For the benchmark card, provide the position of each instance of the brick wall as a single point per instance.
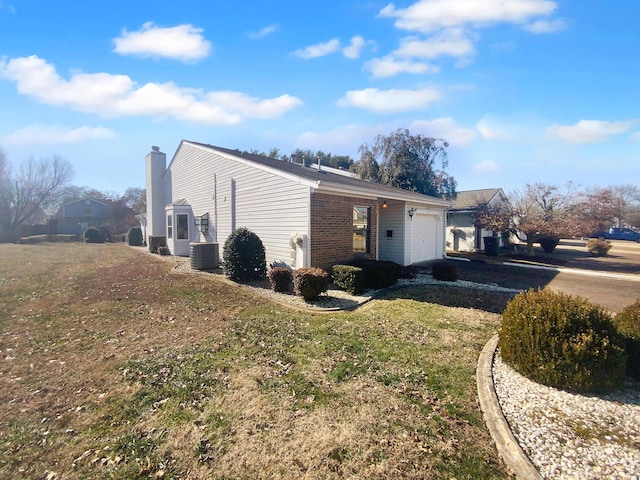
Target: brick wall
(332, 228)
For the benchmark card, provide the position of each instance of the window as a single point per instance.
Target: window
(361, 234)
(182, 224)
(202, 223)
(169, 226)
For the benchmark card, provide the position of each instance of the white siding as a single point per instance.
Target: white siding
(392, 218)
(271, 206)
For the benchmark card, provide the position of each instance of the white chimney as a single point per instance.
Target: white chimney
(156, 165)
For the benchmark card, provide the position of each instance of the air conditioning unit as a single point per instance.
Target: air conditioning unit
(204, 256)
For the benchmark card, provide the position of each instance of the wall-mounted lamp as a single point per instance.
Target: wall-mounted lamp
(411, 211)
(384, 204)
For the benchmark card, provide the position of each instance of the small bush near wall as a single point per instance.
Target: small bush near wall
(563, 342)
(93, 235)
(378, 274)
(281, 279)
(628, 324)
(157, 241)
(349, 278)
(598, 248)
(134, 237)
(444, 271)
(309, 283)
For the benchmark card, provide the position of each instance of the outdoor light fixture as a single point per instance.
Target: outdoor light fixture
(411, 211)
(384, 204)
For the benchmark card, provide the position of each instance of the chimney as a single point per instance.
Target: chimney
(156, 165)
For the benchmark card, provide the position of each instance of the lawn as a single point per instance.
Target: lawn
(115, 366)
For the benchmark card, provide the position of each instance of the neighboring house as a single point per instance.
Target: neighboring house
(463, 235)
(304, 216)
(77, 215)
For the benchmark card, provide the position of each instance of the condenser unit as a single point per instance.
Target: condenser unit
(204, 256)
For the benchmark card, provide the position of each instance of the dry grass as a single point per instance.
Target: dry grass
(113, 366)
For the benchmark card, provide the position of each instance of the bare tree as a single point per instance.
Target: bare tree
(539, 210)
(30, 190)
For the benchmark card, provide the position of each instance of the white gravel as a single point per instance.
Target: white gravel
(569, 436)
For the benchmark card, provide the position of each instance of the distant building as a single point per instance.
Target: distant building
(463, 235)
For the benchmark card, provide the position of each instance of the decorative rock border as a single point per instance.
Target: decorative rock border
(507, 445)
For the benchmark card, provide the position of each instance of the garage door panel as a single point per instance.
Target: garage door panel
(423, 238)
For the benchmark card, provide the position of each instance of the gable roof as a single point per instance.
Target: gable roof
(325, 180)
(470, 199)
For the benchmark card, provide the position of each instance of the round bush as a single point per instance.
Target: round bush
(598, 248)
(562, 341)
(549, 243)
(106, 234)
(93, 235)
(628, 324)
(243, 256)
(134, 237)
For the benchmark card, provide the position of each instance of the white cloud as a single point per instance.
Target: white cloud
(353, 50)
(486, 166)
(318, 50)
(56, 135)
(432, 15)
(445, 128)
(390, 66)
(264, 32)
(590, 131)
(389, 101)
(450, 42)
(546, 26)
(118, 95)
(183, 42)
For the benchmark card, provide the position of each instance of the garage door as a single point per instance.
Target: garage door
(424, 238)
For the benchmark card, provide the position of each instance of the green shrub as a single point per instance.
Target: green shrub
(243, 256)
(309, 283)
(93, 235)
(562, 341)
(349, 278)
(134, 237)
(549, 243)
(156, 241)
(598, 248)
(628, 324)
(444, 271)
(280, 278)
(378, 273)
(106, 234)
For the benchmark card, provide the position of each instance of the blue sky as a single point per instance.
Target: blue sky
(524, 90)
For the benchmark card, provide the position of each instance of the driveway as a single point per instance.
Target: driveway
(612, 281)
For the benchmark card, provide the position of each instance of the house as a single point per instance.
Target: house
(76, 216)
(463, 235)
(304, 216)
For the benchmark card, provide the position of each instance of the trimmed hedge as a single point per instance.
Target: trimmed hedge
(93, 235)
(549, 243)
(563, 342)
(349, 278)
(378, 273)
(309, 283)
(628, 324)
(134, 237)
(444, 271)
(281, 279)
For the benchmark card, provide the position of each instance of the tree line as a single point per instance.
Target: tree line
(412, 162)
